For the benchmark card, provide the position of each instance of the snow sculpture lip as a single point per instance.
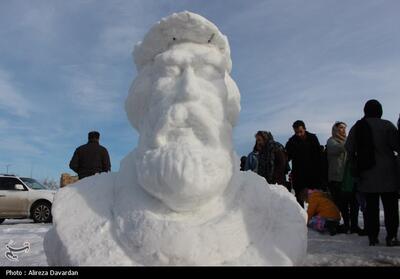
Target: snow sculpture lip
(187, 27)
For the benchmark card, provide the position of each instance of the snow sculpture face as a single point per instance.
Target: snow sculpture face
(184, 105)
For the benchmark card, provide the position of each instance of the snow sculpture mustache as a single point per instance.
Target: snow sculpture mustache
(185, 153)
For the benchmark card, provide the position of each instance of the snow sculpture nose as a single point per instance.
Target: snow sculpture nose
(189, 89)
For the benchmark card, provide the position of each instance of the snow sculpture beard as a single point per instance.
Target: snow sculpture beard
(184, 106)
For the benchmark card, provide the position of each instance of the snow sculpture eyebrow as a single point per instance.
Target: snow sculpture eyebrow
(172, 60)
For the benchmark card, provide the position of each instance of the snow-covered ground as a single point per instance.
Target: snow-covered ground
(20, 231)
(349, 250)
(323, 250)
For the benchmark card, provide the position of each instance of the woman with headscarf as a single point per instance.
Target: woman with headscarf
(371, 144)
(341, 184)
(272, 159)
(268, 159)
(336, 154)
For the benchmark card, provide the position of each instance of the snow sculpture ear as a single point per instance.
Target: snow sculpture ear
(233, 99)
(136, 105)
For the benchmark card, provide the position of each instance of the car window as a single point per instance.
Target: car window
(8, 183)
(33, 184)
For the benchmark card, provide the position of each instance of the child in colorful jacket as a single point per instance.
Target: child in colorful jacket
(323, 215)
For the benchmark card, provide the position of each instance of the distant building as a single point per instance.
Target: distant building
(67, 179)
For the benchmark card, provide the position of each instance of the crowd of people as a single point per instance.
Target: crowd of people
(350, 173)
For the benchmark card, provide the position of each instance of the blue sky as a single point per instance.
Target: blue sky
(66, 66)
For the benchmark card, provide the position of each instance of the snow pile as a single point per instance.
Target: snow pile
(179, 198)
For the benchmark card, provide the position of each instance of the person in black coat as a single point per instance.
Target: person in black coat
(398, 127)
(243, 163)
(90, 158)
(304, 150)
(371, 145)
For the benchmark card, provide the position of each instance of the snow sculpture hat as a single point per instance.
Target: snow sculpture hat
(179, 28)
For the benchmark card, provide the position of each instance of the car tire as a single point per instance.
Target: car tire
(1, 220)
(41, 212)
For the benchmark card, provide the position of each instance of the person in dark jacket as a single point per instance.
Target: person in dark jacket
(398, 127)
(371, 144)
(271, 158)
(90, 158)
(304, 151)
(277, 161)
(398, 154)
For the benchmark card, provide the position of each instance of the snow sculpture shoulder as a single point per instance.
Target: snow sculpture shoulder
(179, 198)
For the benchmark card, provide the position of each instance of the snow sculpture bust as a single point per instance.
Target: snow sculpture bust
(179, 198)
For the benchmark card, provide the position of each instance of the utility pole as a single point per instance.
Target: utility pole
(7, 166)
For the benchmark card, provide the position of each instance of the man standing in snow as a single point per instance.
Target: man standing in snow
(90, 158)
(371, 144)
(398, 128)
(304, 151)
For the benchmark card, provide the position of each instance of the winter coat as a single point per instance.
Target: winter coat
(320, 204)
(252, 162)
(398, 129)
(280, 168)
(272, 163)
(382, 176)
(89, 159)
(306, 157)
(364, 143)
(336, 153)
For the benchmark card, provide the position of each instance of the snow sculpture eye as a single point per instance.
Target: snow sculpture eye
(171, 71)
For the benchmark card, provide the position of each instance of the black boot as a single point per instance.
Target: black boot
(390, 242)
(342, 229)
(373, 241)
(362, 232)
(358, 231)
(331, 227)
